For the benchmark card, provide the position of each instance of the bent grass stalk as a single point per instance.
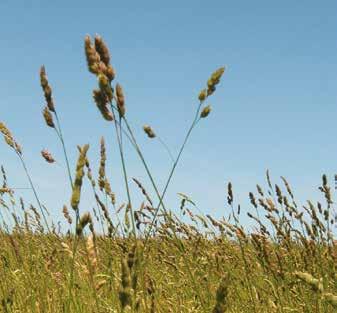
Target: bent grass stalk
(148, 233)
(161, 197)
(211, 84)
(34, 191)
(9, 139)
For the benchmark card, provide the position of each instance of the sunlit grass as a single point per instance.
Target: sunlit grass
(143, 257)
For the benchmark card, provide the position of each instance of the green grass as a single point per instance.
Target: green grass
(117, 258)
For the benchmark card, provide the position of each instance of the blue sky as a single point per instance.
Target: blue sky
(274, 109)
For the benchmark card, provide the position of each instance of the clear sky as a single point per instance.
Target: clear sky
(274, 109)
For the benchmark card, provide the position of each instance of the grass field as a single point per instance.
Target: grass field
(142, 257)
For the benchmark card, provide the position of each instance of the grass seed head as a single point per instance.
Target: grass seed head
(202, 95)
(120, 100)
(101, 170)
(315, 283)
(92, 253)
(110, 72)
(75, 198)
(46, 89)
(9, 139)
(214, 80)
(205, 112)
(48, 117)
(66, 214)
(149, 131)
(102, 101)
(83, 222)
(47, 156)
(104, 86)
(102, 50)
(125, 291)
(92, 56)
(229, 193)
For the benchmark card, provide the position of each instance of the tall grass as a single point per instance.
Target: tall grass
(131, 257)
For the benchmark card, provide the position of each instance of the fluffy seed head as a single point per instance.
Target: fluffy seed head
(315, 283)
(104, 86)
(9, 139)
(91, 250)
(83, 222)
(92, 56)
(7, 135)
(214, 80)
(102, 50)
(125, 292)
(47, 156)
(149, 132)
(46, 89)
(120, 100)
(110, 72)
(48, 117)
(66, 214)
(102, 101)
(205, 112)
(202, 95)
(75, 198)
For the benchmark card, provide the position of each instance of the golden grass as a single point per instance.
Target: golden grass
(127, 257)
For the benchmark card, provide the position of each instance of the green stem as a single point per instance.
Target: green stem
(124, 173)
(195, 121)
(166, 148)
(34, 190)
(59, 133)
(71, 280)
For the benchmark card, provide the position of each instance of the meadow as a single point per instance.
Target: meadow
(144, 257)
